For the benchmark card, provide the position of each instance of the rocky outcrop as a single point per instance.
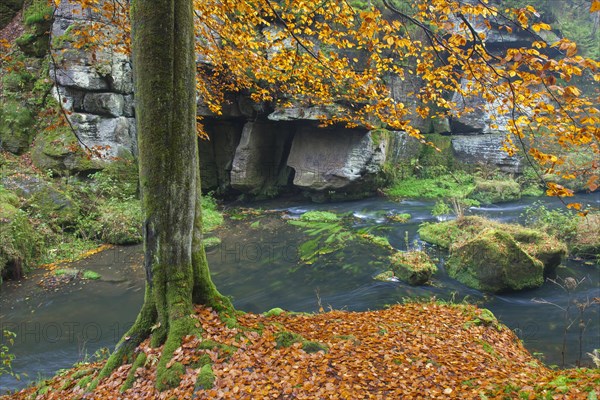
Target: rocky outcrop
(333, 159)
(252, 148)
(49, 202)
(486, 149)
(217, 153)
(96, 88)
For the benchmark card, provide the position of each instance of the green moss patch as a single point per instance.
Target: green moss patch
(445, 186)
(211, 241)
(91, 275)
(400, 218)
(380, 241)
(495, 191)
(16, 126)
(385, 276)
(274, 312)
(206, 378)
(310, 346)
(319, 216)
(286, 339)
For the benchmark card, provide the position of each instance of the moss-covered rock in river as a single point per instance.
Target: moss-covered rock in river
(493, 261)
(413, 267)
(537, 244)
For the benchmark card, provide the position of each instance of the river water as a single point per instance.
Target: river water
(258, 265)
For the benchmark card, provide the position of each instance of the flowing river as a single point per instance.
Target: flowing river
(257, 264)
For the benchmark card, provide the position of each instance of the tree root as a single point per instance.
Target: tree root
(140, 360)
(129, 342)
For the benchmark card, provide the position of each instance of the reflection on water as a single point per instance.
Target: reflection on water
(258, 265)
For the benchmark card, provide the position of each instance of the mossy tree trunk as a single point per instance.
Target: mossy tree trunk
(177, 274)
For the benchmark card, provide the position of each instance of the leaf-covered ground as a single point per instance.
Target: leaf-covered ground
(412, 351)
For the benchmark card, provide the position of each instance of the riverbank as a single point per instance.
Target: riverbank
(260, 259)
(431, 350)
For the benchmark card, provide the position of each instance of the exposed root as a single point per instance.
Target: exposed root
(124, 350)
(168, 375)
(140, 360)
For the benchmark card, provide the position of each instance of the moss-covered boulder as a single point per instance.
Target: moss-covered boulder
(35, 42)
(535, 243)
(60, 152)
(18, 240)
(546, 248)
(16, 126)
(413, 267)
(493, 261)
(44, 200)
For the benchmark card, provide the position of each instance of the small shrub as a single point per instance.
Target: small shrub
(441, 208)
(121, 222)
(561, 223)
(211, 217)
(6, 357)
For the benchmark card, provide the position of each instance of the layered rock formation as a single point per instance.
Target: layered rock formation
(255, 149)
(96, 88)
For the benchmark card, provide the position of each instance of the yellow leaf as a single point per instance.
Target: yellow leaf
(595, 6)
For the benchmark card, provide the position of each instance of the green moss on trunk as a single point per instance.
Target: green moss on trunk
(174, 258)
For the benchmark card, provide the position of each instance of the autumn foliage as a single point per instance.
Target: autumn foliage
(417, 350)
(296, 52)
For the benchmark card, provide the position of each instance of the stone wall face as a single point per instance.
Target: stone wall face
(96, 88)
(486, 149)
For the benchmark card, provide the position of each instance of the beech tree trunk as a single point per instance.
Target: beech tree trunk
(177, 274)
